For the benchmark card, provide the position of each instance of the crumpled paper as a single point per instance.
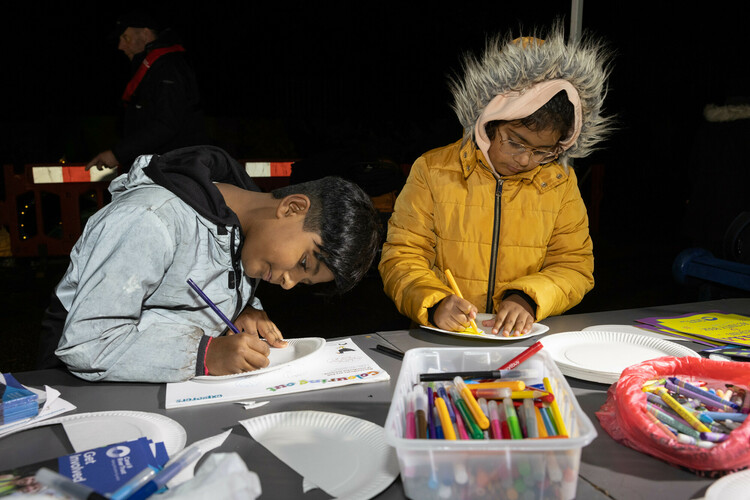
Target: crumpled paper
(221, 475)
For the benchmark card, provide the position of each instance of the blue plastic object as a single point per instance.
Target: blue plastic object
(700, 264)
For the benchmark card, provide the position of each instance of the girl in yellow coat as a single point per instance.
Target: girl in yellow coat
(501, 208)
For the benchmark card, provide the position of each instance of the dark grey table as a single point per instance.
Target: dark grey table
(608, 469)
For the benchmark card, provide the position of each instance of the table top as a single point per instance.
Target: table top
(607, 470)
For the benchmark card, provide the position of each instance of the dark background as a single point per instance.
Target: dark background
(367, 81)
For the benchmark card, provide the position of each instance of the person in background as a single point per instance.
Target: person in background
(501, 208)
(162, 103)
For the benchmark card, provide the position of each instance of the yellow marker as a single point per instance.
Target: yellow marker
(476, 411)
(555, 409)
(541, 428)
(681, 411)
(445, 419)
(528, 394)
(513, 385)
(454, 286)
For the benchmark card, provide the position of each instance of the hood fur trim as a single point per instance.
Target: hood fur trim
(509, 66)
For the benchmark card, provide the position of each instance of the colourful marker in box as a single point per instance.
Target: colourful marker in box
(420, 411)
(471, 426)
(510, 415)
(532, 430)
(445, 419)
(486, 410)
(431, 412)
(476, 411)
(449, 404)
(556, 415)
(411, 423)
(496, 432)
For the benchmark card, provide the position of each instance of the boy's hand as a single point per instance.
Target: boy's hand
(230, 354)
(514, 317)
(454, 314)
(255, 321)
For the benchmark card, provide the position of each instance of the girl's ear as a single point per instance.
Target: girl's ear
(293, 204)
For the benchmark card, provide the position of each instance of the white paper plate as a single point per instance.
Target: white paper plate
(734, 485)
(631, 329)
(600, 356)
(296, 350)
(93, 430)
(346, 457)
(536, 329)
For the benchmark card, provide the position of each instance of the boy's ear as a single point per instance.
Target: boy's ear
(293, 204)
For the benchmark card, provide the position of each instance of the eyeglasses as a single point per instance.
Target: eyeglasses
(538, 156)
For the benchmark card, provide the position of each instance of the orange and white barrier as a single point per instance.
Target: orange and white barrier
(57, 174)
(268, 168)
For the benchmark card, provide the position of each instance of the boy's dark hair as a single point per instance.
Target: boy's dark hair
(556, 114)
(344, 217)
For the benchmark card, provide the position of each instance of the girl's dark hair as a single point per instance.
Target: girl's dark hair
(557, 114)
(348, 225)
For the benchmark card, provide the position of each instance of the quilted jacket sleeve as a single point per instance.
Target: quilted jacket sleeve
(409, 253)
(567, 272)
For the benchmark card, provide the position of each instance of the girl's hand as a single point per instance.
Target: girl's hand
(255, 322)
(514, 318)
(454, 314)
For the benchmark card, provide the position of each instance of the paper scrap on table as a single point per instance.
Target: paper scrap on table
(53, 405)
(306, 457)
(338, 363)
(308, 485)
(339, 454)
(249, 405)
(204, 445)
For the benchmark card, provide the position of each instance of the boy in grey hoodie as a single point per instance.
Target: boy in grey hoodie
(123, 310)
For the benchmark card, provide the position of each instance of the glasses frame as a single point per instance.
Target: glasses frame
(549, 156)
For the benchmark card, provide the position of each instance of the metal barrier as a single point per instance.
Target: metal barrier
(700, 265)
(46, 206)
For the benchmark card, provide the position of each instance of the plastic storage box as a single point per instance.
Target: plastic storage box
(495, 468)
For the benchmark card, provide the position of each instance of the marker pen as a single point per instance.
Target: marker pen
(420, 411)
(476, 411)
(135, 483)
(510, 415)
(66, 486)
(169, 471)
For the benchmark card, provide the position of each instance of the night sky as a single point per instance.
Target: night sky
(290, 80)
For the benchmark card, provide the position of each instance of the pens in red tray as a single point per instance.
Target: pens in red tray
(533, 349)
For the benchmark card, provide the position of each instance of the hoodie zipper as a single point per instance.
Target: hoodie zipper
(495, 243)
(234, 274)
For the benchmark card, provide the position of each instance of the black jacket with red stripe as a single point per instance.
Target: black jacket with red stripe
(165, 111)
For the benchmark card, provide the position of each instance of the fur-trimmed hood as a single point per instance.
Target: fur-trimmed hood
(509, 66)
